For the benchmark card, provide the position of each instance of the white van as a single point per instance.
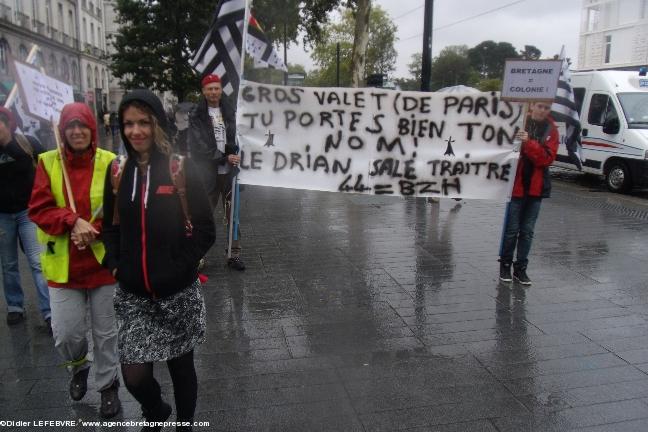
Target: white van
(613, 107)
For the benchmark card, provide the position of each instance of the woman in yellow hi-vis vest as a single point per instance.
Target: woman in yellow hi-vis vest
(73, 252)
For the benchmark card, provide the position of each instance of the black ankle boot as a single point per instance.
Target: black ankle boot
(520, 275)
(159, 413)
(505, 272)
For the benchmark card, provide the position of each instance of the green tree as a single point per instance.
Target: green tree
(415, 67)
(277, 16)
(413, 82)
(155, 41)
(488, 58)
(452, 67)
(493, 84)
(530, 52)
(268, 75)
(314, 17)
(380, 53)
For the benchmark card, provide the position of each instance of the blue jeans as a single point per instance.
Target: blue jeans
(521, 217)
(16, 227)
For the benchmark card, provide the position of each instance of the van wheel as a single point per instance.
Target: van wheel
(618, 178)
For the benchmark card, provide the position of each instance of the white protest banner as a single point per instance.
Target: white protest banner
(42, 95)
(376, 141)
(531, 80)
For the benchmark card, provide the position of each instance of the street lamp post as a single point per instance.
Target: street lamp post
(337, 64)
(426, 66)
(285, 41)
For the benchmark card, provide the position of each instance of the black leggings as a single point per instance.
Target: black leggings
(141, 383)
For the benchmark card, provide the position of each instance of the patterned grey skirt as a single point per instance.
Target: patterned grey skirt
(164, 329)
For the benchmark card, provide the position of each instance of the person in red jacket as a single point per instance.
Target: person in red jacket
(532, 183)
(73, 252)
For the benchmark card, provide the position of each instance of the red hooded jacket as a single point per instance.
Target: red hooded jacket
(84, 271)
(532, 175)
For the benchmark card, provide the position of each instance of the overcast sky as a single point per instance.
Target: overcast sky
(547, 24)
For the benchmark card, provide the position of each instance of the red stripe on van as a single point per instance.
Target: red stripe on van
(596, 144)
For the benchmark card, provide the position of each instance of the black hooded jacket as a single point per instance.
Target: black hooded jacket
(149, 247)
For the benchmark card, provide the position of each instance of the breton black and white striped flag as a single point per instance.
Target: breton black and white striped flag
(220, 52)
(564, 110)
(261, 49)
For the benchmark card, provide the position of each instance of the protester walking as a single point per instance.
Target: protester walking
(69, 216)
(532, 184)
(106, 123)
(17, 168)
(158, 226)
(212, 144)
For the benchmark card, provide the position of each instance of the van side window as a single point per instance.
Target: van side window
(579, 95)
(601, 108)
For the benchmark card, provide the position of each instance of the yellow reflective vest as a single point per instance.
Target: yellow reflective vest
(55, 258)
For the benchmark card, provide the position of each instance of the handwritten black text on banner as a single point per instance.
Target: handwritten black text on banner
(43, 95)
(376, 141)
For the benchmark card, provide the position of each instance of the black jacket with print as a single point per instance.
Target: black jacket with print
(202, 142)
(149, 247)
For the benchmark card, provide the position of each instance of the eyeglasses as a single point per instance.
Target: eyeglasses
(76, 124)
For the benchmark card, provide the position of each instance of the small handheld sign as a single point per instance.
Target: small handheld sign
(44, 96)
(530, 80)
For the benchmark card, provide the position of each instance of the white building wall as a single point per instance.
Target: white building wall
(110, 27)
(614, 34)
(27, 22)
(67, 49)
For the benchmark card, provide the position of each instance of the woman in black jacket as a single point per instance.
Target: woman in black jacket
(154, 240)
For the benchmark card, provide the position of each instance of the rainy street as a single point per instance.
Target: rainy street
(365, 313)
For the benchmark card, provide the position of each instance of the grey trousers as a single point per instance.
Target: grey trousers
(69, 309)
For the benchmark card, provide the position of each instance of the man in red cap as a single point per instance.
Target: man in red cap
(212, 145)
(17, 155)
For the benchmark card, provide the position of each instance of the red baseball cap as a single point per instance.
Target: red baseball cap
(210, 79)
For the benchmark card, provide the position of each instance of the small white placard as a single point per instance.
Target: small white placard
(44, 96)
(531, 80)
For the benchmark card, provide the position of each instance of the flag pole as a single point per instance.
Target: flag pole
(66, 177)
(234, 207)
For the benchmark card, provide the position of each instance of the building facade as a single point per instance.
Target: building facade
(613, 34)
(92, 52)
(72, 44)
(111, 28)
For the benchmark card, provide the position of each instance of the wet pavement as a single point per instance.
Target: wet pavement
(361, 313)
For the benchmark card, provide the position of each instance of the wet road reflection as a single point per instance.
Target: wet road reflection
(361, 313)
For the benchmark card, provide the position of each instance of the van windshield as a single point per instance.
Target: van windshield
(635, 108)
